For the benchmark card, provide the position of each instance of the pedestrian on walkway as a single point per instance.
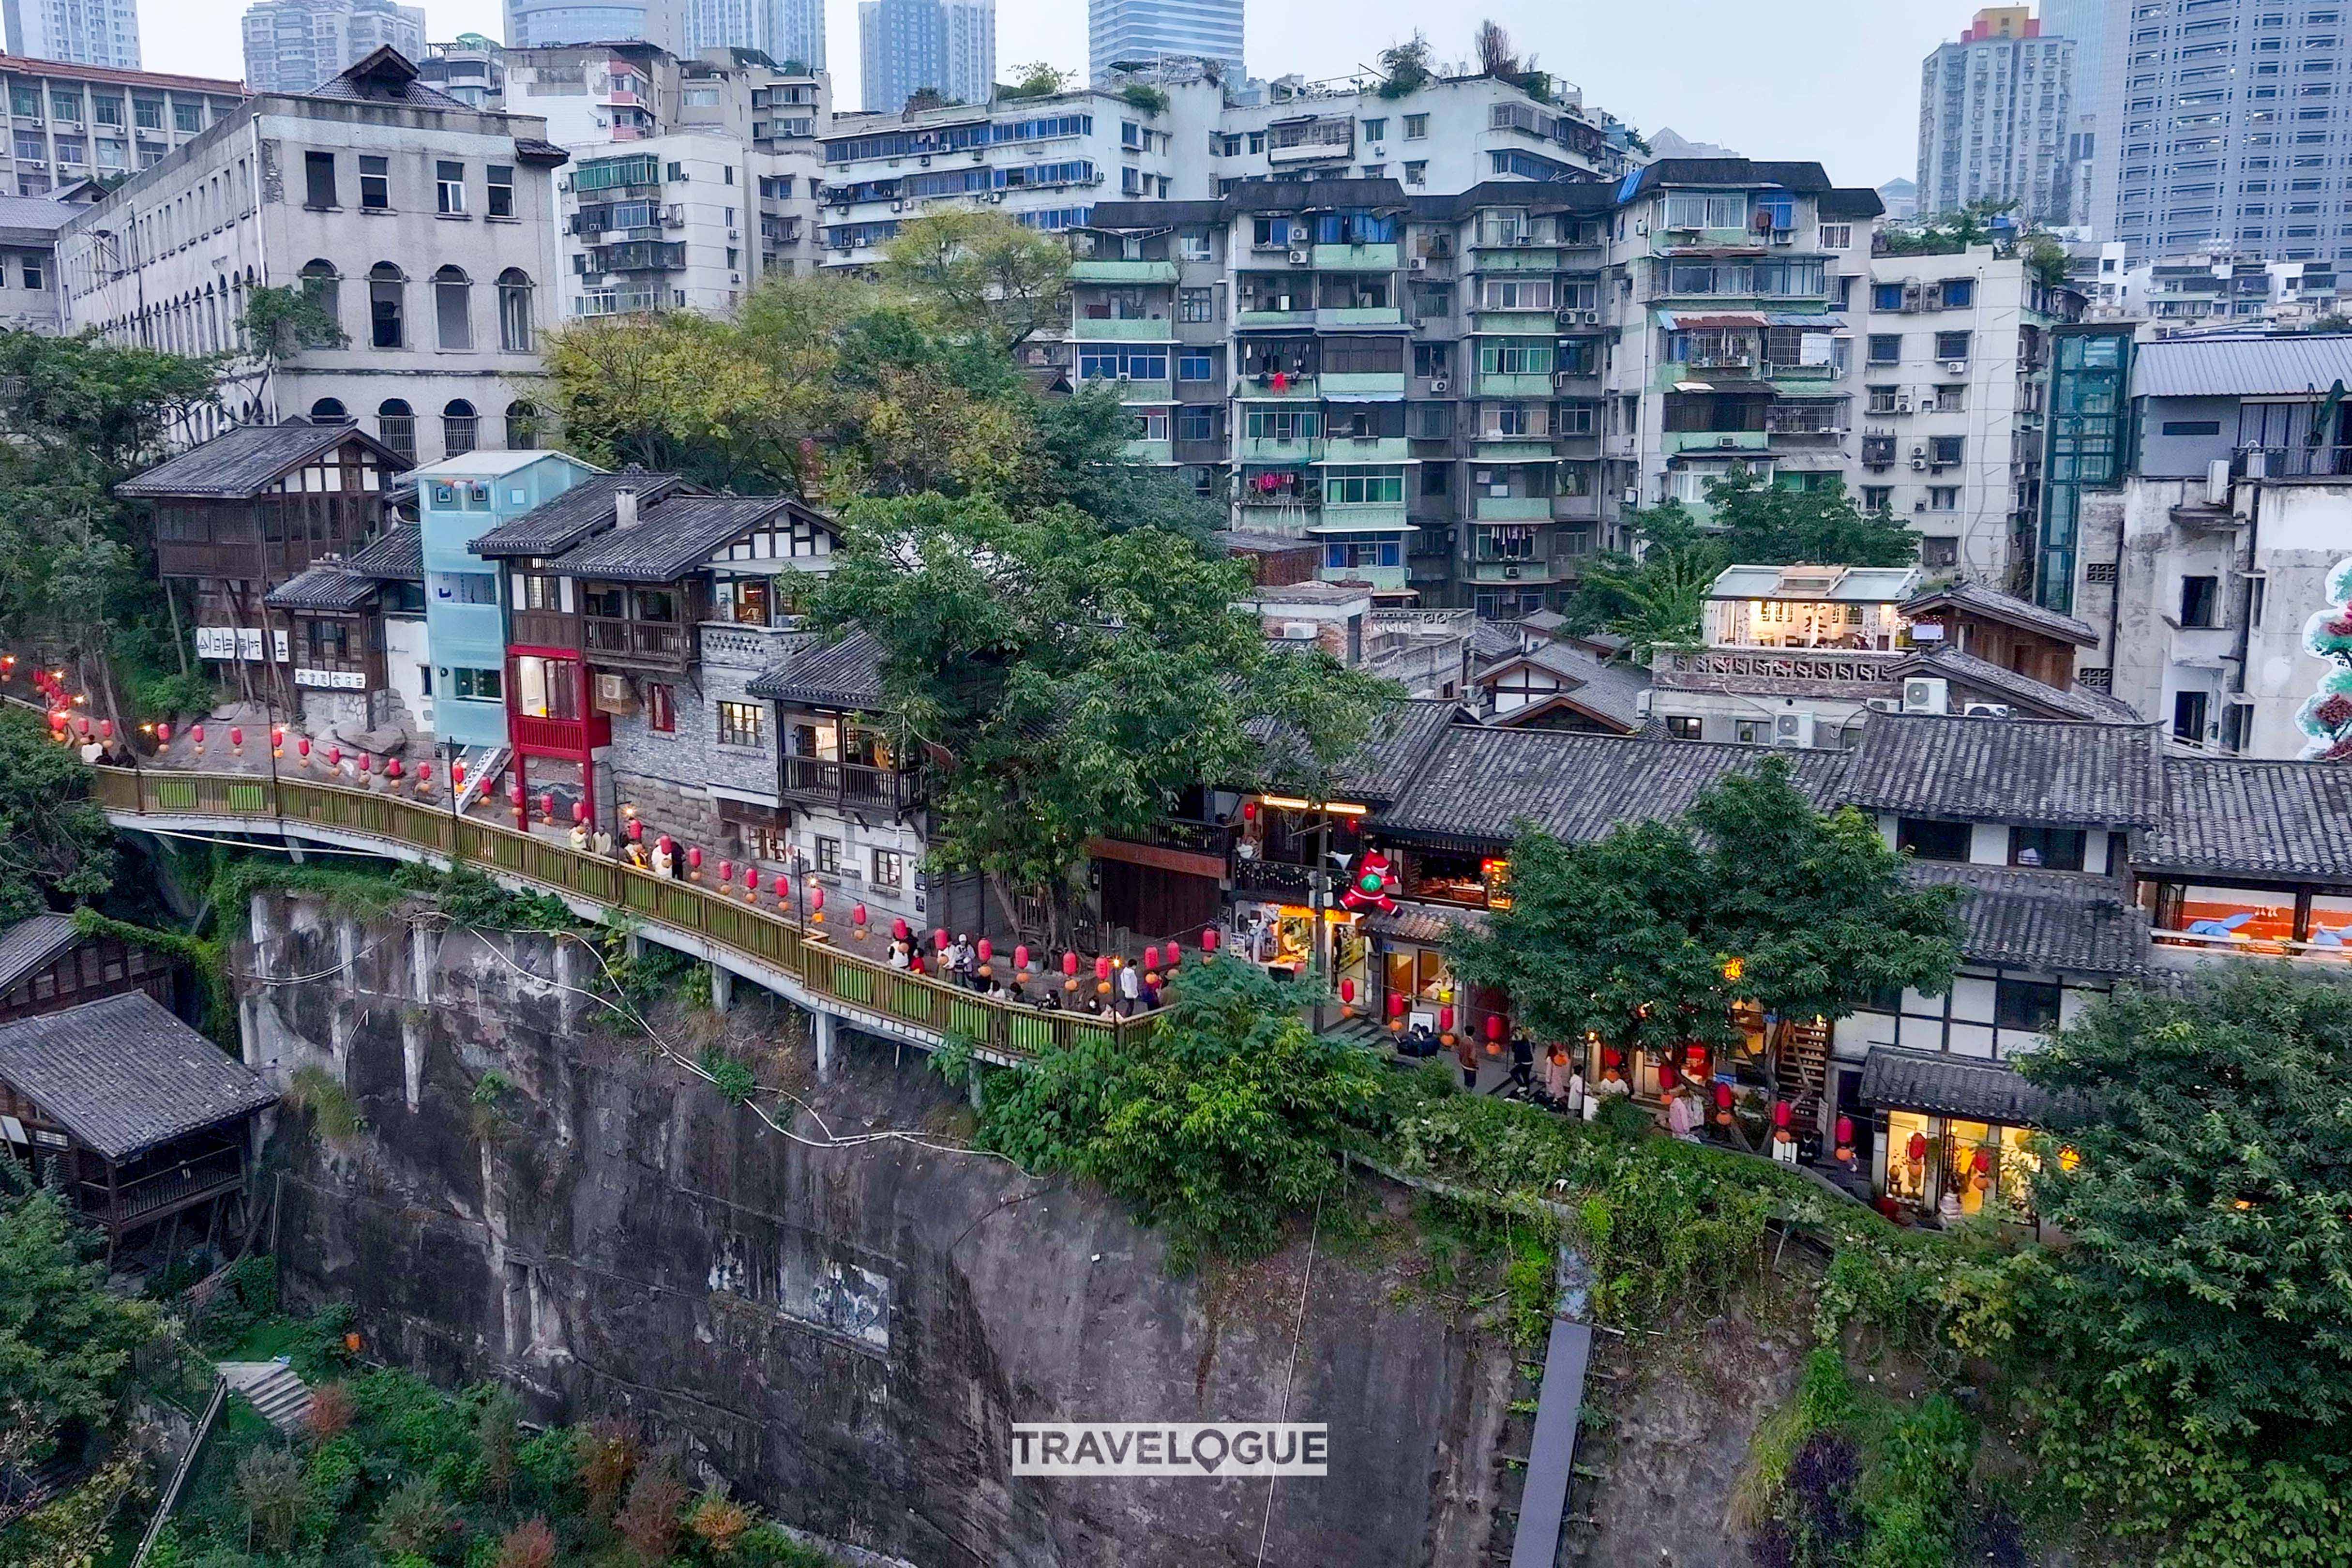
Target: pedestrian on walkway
(1523, 1060)
(1130, 991)
(1466, 1054)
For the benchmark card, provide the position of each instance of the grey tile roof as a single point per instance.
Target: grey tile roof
(38, 214)
(2006, 770)
(1493, 642)
(384, 76)
(1400, 742)
(397, 554)
(2306, 363)
(324, 585)
(1611, 692)
(1795, 176)
(1947, 1085)
(2079, 703)
(583, 511)
(239, 463)
(2289, 822)
(1848, 202)
(1481, 781)
(2043, 920)
(32, 943)
(846, 674)
(670, 539)
(122, 1074)
(1428, 924)
(1991, 602)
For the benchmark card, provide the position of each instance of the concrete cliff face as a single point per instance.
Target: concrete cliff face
(844, 1334)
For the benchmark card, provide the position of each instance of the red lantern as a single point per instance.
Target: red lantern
(1918, 1149)
(666, 845)
(1175, 955)
(391, 769)
(1982, 1162)
(900, 931)
(857, 926)
(985, 951)
(940, 938)
(636, 831)
(1102, 968)
(302, 748)
(1021, 958)
(82, 723)
(367, 764)
(1152, 958)
(1209, 941)
(1781, 1113)
(1666, 1075)
(1611, 1057)
(1249, 811)
(1845, 1131)
(278, 737)
(457, 771)
(424, 774)
(1070, 964)
(547, 808)
(1494, 1025)
(816, 912)
(237, 737)
(694, 858)
(1396, 1004)
(197, 734)
(106, 728)
(726, 873)
(1445, 1020)
(163, 735)
(1348, 995)
(514, 796)
(751, 881)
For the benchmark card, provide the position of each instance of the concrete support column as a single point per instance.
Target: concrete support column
(722, 988)
(825, 1029)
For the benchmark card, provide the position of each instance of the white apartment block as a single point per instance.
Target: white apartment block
(74, 32)
(69, 123)
(1954, 375)
(292, 46)
(426, 228)
(789, 32)
(1996, 118)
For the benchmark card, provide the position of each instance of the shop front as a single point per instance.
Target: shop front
(1953, 1135)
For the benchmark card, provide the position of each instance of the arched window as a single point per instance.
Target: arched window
(387, 307)
(324, 287)
(461, 428)
(329, 411)
(453, 308)
(395, 426)
(514, 310)
(522, 427)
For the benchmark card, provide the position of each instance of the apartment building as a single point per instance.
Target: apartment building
(2083, 24)
(905, 46)
(292, 46)
(2223, 123)
(469, 68)
(70, 122)
(789, 32)
(29, 263)
(1954, 375)
(1125, 31)
(426, 229)
(1996, 117)
(74, 32)
(537, 24)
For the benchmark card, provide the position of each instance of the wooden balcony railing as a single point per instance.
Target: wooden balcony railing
(851, 784)
(853, 982)
(659, 643)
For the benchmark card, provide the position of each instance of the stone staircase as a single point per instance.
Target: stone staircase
(271, 1387)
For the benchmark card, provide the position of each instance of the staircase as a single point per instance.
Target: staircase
(271, 1387)
(1804, 1066)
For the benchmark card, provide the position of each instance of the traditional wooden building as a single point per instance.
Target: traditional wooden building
(46, 964)
(138, 1117)
(2002, 630)
(248, 513)
(1556, 685)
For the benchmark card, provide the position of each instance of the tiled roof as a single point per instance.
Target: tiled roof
(238, 464)
(122, 1074)
(1481, 781)
(2043, 920)
(1400, 742)
(324, 585)
(38, 214)
(669, 540)
(2006, 770)
(1945, 1084)
(384, 76)
(2305, 364)
(1608, 690)
(2077, 702)
(2290, 822)
(1848, 202)
(555, 526)
(1428, 924)
(396, 554)
(1794, 176)
(1991, 602)
(32, 943)
(846, 674)
(1493, 642)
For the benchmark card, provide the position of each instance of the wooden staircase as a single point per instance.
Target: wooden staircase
(1802, 1068)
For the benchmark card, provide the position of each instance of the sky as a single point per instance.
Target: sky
(1832, 79)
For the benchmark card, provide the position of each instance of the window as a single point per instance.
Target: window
(1837, 236)
(395, 426)
(1878, 498)
(1943, 498)
(1887, 296)
(828, 857)
(1683, 727)
(1416, 127)
(1960, 293)
(1195, 305)
(323, 289)
(449, 186)
(387, 288)
(514, 310)
(1930, 839)
(375, 184)
(2200, 599)
(481, 685)
(65, 104)
(1944, 452)
(2028, 1004)
(1887, 348)
(2052, 848)
(739, 724)
(1952, 345)
(661, 708)
(522, 427)
(1416, 171)
(329, 411)
(2192, 426)
(453, 308)
(188, 117)
(1433, 359)
(1196, 423)
(460, 428)
(501, 203)
(1195, 364)
(889, 869)
(1939, 552)
(146, 112)
(1363, 486)
(319, 180)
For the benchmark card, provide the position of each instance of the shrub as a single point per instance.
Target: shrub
(415, 1519)
(608, 1451)
(531, 1544)
(718, 1522)
(649, 1521)
(269, 1487)
(329, 1415)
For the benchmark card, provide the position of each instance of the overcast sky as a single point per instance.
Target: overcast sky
(1832, 79)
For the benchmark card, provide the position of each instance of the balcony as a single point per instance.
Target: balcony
(537, 736)
(637, 255)
(850, 785)
(1513, 449)
(1786, 672)
(1364, 517)
(654, 644)
(1300, 317)
(1363, 384)
(1511, 508)
(545, 628)
(1132, 391)
(1534, 569)
(1128, 272)
(220, 558)
(1341, 317)
(1159, 452)
(1272, 880)
(746, 644)
(1344, 448)
(1131, 329)
(1676, 442)
(1356, 258)
(1281, 450)
(1514, 383)
(1516, 258)
(1294, 389)
(1384, 579)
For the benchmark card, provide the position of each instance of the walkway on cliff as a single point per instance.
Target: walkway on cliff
(757, 943)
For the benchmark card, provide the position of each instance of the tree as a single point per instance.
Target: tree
(66, 1342)
(1406, 69)
(924, 98)
(1232, 1123)
(980, 276)
(1072, 681)
(1036, 79)
(1081, 461)
(1765, 525)
(285, 320)
(1647, 937)
(1656, 602)
(56, 845)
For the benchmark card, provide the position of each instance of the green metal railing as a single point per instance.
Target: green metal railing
(928, 1006)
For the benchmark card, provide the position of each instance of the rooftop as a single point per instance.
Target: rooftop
(239, 464)
(670, 539)
(2303, 363)
(1946, 1085)
(2282, 821)
(2077, 702)
(1976, 599)
(583, 511)
(481, 465)
(2006, 770)
(32, 943)
(123, 1075)
(1818, 585)
(324, 585)
(846, 675)
(2043, 920)
(65, 70)
(395, 554)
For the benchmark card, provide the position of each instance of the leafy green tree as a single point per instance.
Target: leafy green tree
(1765, 525)
(1232, 1123)
(55, 842)
(1406, 67)
(979, 275)
(1073, 681)
(1081, 461)
(1039, 78)
(1657, 601)
(1647, 937)
(65, 1343)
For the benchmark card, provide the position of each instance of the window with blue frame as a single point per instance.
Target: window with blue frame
(1350, 227)
(1196, 365)
(1344, 553)
(1887, 296)
(1112, 361)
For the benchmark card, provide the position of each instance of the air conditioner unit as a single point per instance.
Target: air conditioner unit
(1918, 464)
(1792, 728)
(1591, 318)
(1511, 574)
(1632, 495)
(1956, 367)
(614, 694)
(1525, 239)
(1728, 443)
(1902, 406)
(1439, 384)
(1418, 264)
(1298, 631)
(898, 206)
(1927, 694)
(1298, 258)
(1986, 710)
(1883, 705)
